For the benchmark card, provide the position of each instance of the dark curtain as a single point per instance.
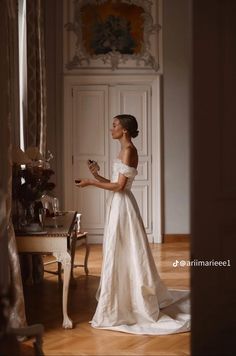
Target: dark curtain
(10, 277)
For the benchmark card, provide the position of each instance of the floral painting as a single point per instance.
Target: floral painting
(112, 26)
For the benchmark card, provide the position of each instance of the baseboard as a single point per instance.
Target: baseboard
(98, 239)
(95, 239)
(176, 238)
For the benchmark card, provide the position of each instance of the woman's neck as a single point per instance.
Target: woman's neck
(125, 141)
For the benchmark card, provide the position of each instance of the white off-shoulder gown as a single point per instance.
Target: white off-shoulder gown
(131, 296)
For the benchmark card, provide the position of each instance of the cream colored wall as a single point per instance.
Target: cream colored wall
(176, 114)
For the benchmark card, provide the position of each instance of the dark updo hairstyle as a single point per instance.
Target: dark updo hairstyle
(129, 123)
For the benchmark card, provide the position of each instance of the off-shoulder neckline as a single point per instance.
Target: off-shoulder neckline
(119, 160)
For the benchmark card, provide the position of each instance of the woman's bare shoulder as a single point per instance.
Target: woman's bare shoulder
(130, 156)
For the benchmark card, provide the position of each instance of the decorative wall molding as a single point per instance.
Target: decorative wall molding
(123, 39)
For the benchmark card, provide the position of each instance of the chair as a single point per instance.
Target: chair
(77, 238)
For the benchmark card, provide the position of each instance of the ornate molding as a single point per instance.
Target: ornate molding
(113, 58)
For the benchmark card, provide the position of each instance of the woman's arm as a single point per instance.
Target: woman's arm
(100, 178)
(94, 168)
(115, 187)
(104, 183)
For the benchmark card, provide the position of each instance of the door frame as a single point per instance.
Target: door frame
(154, 81)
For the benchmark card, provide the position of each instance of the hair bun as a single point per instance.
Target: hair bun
(135, 133)
(130, 123)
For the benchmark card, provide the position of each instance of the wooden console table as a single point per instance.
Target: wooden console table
(57, 241)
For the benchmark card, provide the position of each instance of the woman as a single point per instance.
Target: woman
(131, 296)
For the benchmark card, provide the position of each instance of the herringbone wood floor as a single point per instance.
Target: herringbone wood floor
(43, 305)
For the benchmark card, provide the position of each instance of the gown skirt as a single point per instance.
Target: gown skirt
(131, 296)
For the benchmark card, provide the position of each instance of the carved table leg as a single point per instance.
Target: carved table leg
(65, 260)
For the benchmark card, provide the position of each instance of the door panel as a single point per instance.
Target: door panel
(135, 102)
(89, 107)
(92, 140)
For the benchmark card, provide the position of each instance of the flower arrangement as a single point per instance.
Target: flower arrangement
(30, 182)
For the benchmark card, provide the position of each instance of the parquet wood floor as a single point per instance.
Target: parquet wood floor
(43, 305)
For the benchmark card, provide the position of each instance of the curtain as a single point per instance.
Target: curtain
(35, 125)
(34, 100)
(10, 277)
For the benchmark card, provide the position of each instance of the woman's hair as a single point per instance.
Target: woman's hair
(129, 123)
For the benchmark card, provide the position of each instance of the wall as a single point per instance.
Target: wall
(176, 110)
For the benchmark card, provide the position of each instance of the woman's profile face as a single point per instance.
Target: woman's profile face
(117, 129)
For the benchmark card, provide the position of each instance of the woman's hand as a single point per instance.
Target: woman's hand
(84, 183)
(93, 167)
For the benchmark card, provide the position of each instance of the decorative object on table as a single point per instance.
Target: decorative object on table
(114, 32)
(50, 204)
(30, 181)
(78, 221)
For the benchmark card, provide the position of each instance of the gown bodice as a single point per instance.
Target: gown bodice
(127, 171)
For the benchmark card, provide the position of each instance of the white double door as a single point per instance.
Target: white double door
(89, 110)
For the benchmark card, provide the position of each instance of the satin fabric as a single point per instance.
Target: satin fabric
(131, 296)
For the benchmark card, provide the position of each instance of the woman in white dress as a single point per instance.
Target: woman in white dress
(131, 296)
